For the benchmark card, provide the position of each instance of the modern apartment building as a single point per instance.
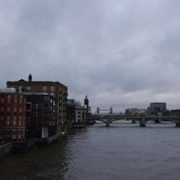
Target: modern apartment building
(157, 108)
(12, 115)
(40, 116)
(55, 89)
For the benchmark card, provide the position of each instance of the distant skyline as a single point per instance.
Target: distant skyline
(122, 54)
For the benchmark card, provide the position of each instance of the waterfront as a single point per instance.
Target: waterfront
(122, 151)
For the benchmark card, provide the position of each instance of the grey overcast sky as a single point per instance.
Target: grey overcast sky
(122, 53)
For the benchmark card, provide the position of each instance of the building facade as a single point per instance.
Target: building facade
(55, 89)
(12, 116)
(76, 113)
(157, 108)
(41, 121)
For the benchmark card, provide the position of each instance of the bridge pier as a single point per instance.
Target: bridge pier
(157, 121)
(177, 124)
(143, 122)
(133, 121)
(107, 122)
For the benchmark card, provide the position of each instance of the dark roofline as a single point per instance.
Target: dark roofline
(36, 82)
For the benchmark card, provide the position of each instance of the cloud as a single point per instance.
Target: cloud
(121, 53)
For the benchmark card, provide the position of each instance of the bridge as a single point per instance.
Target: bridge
(108, 119)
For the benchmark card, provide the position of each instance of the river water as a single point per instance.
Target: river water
(123, 151)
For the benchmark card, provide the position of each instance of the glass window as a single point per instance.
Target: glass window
(20, 122)
(8, 131)
(9, 96)
(28, 106)
(14, 122)
(1, 122)
(28, 88)
(52, 94)
(14, 131)
(20, 131)
(46, 98)
(15, 96)
(8, 122)
(44, 88)
(52, 88)
(1, 131)
(27, 114)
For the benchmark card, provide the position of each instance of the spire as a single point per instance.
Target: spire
(30, 77)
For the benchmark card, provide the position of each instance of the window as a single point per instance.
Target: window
(14, 131)
(20, 122)
(15, 96)
(8, 113)
(46, 99)
(28, 106)
(1, 122)
(27, 114)
(52, 94)
(52, 88)
(20, 131)
(8, 131)
(14, 122)
(8, 122)
(1, 131)
(9, 96)
(44, 88)
(28, 88)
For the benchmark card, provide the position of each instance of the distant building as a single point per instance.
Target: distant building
(130, 111)
(86, 104)
(55, 89)
(76, 113)
(12, 115)
(174, 112)
(135, 112)
(157, 108)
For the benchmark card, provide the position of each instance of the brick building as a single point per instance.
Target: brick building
(55, 89)
(12, 115)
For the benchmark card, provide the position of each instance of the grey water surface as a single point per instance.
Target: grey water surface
(123, 151)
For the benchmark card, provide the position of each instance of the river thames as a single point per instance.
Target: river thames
(122, 151)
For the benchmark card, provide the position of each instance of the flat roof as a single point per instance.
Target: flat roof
(21, 81)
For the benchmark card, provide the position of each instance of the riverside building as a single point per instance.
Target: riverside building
(40, 116)
(12, 116)
(76, 113)
(157, 108)
(55, 89)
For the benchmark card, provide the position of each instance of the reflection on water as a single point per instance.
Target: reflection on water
(122, 151)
